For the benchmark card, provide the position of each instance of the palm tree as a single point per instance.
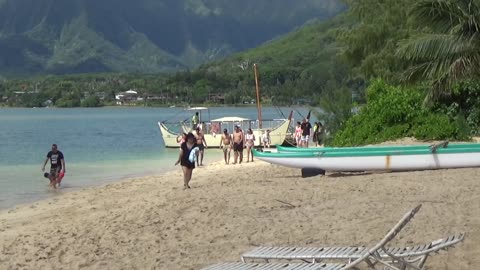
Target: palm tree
(450, 51)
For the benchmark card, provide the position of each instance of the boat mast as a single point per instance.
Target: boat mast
(259, 106)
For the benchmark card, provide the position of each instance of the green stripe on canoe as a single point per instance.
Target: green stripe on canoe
(425, 151)
(285, 149)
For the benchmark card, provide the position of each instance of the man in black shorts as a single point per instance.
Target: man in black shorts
(306, 132)
(57, 166)
(202, 144)
(238, 139)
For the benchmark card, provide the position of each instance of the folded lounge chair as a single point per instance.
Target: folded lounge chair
(372, 257)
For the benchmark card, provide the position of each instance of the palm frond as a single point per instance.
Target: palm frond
(440, 15)
(452, 52)
(432, 46)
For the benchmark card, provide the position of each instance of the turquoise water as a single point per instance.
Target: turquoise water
(100, 146)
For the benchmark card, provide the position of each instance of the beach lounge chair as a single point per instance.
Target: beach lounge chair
(416, 254)
(371, 257)
(274, 266)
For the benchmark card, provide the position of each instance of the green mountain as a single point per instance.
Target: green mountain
(299, 67)
(78, 36)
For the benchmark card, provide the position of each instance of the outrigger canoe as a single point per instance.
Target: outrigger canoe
(374, 160)
(286, 149)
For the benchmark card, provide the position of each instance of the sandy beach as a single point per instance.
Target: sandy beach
(152, 223)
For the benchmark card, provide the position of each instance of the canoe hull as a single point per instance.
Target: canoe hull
(379, 162)
(283, 149)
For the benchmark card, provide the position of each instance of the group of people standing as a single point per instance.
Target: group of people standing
(304, 130)
(192, 146)
(236, 142)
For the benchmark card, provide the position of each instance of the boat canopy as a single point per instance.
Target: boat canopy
(231, 119)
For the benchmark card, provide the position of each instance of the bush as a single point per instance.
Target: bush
(91, 101)
(432, 126)
(66, 102)
(394, 112)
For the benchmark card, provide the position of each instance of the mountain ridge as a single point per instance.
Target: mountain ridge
(59, 37)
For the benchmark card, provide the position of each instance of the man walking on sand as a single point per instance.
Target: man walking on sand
(202, 144)
(226, 142)
(57, 166)
(306, 132)
(237, 145)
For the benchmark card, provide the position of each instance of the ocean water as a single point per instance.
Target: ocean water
(100, 145)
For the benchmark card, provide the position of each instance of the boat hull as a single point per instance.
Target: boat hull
(283, 149)
(364, 161)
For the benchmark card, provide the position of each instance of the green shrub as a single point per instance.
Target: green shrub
(91, 101)
(432, 126)
(395, 112)
(68, 102)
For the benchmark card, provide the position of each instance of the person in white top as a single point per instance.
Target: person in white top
(249, 143)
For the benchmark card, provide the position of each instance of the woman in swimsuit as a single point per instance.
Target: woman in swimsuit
(249, 143)
(187, 163)
(298, 133)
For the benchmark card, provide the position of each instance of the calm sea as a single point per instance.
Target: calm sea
(100, 145)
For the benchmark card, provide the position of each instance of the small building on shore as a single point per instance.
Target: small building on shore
(126, 98)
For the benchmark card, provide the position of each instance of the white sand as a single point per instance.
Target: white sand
(152, 223)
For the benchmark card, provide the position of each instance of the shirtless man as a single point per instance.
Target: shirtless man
(237, 145)
(226, 142)
(202, 144)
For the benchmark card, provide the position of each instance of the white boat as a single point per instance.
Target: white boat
(383, 160)
(213, 129)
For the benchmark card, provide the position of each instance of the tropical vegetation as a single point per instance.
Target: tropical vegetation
(433, 58)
